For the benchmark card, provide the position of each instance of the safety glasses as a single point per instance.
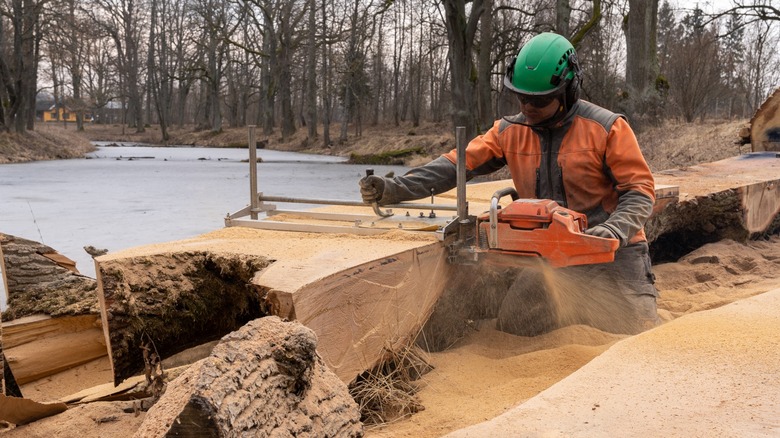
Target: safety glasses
(536, 101)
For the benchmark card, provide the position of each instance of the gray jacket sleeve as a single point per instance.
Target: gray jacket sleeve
(436, 177)
(633, 210)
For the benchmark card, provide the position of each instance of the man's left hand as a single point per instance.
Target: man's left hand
(602, 231)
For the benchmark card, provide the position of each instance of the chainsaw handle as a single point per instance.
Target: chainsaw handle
(506, 191)
(493, 235)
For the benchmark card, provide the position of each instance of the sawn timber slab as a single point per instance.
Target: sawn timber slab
(361, 295)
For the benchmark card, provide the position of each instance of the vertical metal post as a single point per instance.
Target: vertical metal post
(461, 143)
(253, 202)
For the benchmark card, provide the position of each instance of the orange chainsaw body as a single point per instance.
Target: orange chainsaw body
(542, 228)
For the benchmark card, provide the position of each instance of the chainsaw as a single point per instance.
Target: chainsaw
(528, 228)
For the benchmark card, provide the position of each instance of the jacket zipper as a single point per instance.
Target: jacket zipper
(548, 140)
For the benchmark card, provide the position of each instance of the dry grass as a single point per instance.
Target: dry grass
(45, 143)
(386, 393)
(676, 144)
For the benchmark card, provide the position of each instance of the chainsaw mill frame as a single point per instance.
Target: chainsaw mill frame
(363, 224)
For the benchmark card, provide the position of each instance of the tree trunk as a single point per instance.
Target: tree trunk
(215, 77)
(326, 108)
(311, 80)
(268, 83)
(460, 33)
(641, 57)
(562, 17)
(485, 65)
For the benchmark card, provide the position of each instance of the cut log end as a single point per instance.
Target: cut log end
(265, 379)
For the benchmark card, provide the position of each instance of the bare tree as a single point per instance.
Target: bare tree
(641, 59)
(461, 30)
(19, 46)
(122, 20)
(311, 69)
(760, 68)
(693, 71)
(486, 115)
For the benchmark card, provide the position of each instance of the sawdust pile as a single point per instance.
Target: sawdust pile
(488, 371)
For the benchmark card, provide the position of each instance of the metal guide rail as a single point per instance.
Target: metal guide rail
(262, 214)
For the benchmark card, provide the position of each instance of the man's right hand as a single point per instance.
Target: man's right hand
(371, 188)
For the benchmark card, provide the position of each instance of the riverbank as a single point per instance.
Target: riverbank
(45, 143)
(671, 145)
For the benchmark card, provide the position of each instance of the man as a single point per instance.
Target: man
(582, 156)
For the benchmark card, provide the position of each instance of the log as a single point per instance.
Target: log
(737, 198)
(361, 295)
(173, 301)
(41, 283)
(765, 125)
(40, 280)
(265, 379)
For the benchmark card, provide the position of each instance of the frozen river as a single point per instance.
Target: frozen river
(135, 195)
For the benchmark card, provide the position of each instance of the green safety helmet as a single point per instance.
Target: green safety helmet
(546, 65)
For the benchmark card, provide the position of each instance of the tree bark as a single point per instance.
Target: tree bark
(39, 280)
(460, 33)
(311, 80)
(641, 56)
(265, 379)
(485, 66)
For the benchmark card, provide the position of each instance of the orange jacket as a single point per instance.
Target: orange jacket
(587, 163)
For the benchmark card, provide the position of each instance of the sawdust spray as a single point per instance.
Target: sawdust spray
(542, 298)
(577, 297)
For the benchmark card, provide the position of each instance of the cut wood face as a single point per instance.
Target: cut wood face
(765, 125)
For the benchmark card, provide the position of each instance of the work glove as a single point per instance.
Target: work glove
(371, 188)
(603, 230)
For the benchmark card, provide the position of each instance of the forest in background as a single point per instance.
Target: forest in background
(332, 67)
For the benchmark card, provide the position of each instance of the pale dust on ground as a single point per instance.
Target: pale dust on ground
(490, 371)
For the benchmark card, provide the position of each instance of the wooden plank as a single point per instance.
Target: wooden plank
(50, 355)
(31, 328)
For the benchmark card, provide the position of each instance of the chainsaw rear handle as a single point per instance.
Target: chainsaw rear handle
(493, 237)
(378, 211)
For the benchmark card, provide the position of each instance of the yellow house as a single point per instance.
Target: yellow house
(63, 114)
